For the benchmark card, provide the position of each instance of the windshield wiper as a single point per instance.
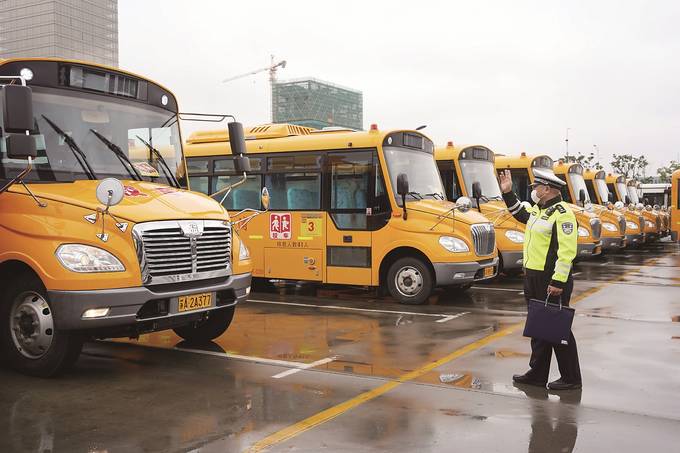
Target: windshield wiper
(495, 197)
(164, 164)
(436, 195)
(78, 153)
(122, 157)
(415, 195)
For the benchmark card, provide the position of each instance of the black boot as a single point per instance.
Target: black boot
(563, 385)
(527, 379)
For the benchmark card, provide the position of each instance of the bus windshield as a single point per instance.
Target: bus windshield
(602, 190)
(621, 188)
(632, 193)
(482, 172)
(421, 169)
(578, 184)
(80, 137)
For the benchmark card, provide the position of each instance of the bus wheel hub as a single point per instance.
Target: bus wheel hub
(409, 281)
(31, 325)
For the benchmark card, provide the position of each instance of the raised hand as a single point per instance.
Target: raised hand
(505, 181)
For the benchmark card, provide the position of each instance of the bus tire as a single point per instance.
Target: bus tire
(31, 344)
(410, 281)
(207, 330)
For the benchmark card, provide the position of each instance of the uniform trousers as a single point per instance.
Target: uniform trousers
(536, 287)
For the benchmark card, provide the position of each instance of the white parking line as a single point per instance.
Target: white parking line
(605, 263)
(305, 366)
(576, 273)
(449, 318)
(493, 288)
(369, 310)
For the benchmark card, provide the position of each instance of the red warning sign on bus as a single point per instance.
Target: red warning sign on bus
(280, 226)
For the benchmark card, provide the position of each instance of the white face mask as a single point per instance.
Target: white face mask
(534, 196)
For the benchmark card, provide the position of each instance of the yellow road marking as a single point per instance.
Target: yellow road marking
(333, 412)
(337, 410)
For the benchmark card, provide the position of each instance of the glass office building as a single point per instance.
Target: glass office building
(76, 29)
(317, 104)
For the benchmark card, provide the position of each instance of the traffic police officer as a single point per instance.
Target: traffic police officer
(550, 243)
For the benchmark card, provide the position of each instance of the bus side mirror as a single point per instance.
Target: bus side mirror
(264, 198)
(476, 190)
(582, 196)
(241, 163)
(20, 146)
(237, 139)
(402, 184)
(17, 109)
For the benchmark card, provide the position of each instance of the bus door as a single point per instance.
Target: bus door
(293, 235)
(357, 206)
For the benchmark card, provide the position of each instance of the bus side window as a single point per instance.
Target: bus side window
(450, 178)
(591, 191)
(520, 183)
(566, 196)
(246, 195)
(196, 168)
(294, 182)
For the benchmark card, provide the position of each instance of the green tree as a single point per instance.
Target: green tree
(585, 161)
(666, 172)
(629, 166)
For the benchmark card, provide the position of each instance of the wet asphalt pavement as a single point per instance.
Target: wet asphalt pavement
(305, 369)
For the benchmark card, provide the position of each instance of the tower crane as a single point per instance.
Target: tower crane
(272, 68)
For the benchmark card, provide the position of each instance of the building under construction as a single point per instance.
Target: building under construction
(317, 104)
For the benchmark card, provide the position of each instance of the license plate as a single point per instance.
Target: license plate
(488, 271)
(194, 302)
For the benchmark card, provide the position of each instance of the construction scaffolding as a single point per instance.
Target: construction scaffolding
(317, 104)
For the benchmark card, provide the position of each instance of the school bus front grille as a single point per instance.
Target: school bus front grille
(484, 238)
(167, 254)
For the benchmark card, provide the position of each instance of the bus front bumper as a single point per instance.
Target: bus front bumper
(589, 249)
(512, 260)
(463, 273)
(141, 309)
(613, 243)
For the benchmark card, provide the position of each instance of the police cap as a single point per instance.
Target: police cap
(547, 178)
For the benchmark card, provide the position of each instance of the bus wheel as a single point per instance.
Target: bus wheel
(209, 329)
(410, 281)
(32, 345)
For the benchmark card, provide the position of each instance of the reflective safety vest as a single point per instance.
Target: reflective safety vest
(550, 238)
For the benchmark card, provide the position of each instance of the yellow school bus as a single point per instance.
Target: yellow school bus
(675, 206)
(521, 168)
(468, 171)
(576, 192)
(599, 192)
(97, 239)
(617, 185)
(635, 192)
(348, 207)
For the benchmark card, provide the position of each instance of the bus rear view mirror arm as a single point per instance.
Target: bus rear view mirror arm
(463, 204)
(402, 190)
(241, 223)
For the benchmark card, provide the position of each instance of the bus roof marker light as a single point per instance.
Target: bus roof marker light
(449, 144)
(374, 127)
(164, 99)
(26, 74)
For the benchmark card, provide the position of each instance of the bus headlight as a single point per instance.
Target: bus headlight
(609, 227)
(243, 252)
(631, 225)
(515, 236)
(87, 259)
(454, 245)
(583, 232)
(649, 224)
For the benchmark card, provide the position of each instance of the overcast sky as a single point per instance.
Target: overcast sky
(512, 75)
